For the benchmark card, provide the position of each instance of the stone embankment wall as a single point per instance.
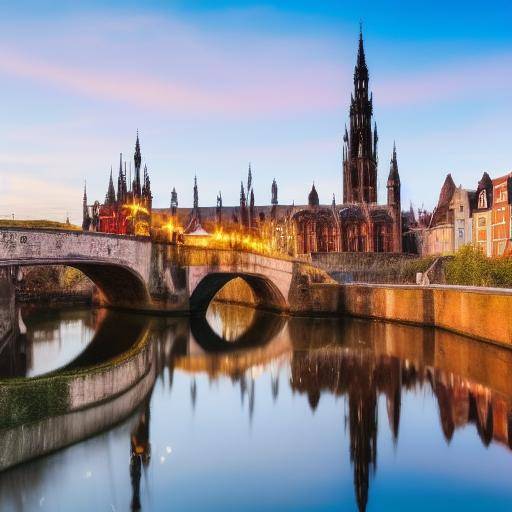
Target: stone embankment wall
(482, 313)
(27, 441)
(27, 400)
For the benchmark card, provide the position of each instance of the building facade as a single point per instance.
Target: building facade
(501, 236)
(482, 215)
(359, 224)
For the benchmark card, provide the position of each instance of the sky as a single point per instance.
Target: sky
(214, 85)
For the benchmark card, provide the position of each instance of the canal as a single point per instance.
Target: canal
(245, 410)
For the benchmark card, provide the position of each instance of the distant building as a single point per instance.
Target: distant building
(482, 215)
(500, 229)
(127, 212)
(360, 224)
(439, 236)
(461, 205)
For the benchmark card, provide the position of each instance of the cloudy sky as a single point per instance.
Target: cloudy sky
(214, 85)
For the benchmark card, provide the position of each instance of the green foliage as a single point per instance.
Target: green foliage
(31, 400)
(470, 267)
(407, 274)
(40, 224)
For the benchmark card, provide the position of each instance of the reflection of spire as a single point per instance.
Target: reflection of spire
(274, 383)
(363, 438)
(140, 453)
(193, 393)
(251, 399)
(313, 398)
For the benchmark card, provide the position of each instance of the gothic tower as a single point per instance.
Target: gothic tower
(86, 218)
(136, 187)
(394, 202)
(360, 143)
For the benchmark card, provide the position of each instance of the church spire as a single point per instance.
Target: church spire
(196, 194)
(361, 70)
(273, 200)
(174, 201)
(86, 218)
(111, 193)
(360, 143)
(393, 184)
(137, 158)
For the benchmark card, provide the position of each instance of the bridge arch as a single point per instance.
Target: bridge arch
(119, 285)
(267, 294)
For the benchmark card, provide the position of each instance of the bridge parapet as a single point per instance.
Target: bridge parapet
(134, 272)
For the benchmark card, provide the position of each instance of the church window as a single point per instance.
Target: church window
(482, 199)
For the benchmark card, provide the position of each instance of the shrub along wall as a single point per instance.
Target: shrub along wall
(470, 267)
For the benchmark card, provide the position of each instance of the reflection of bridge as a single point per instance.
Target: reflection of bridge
(133, 272)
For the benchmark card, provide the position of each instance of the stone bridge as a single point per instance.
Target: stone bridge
(136, 273)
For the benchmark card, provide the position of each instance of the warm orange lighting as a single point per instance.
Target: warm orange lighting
(237, 240)
(135, 211)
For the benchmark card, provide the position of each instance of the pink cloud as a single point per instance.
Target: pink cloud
(267, 92)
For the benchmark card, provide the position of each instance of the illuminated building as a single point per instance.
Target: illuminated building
(129, 211)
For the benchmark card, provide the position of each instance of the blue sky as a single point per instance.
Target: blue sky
(212, 86)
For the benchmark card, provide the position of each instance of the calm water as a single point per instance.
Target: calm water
(250, 411)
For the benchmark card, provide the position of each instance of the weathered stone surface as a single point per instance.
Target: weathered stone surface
(133, 272)
(26, 442)
(482, 313)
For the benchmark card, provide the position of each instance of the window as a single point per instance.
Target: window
(501, 194)
(461, 208)
(481, 222)
(461, 233)
(482, 199)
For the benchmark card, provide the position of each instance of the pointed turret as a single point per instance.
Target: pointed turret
(86, 218)
(196, 194)
(393, 183)
(243, 200)
(273, 200)
(121, 182)
(218, 210)
(361, 70)
(137, 159)
(174, 201)
(313, 200)
(110, 198)
(244, 214)
(252, 213)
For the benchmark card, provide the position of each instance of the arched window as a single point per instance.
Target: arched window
(482, 199)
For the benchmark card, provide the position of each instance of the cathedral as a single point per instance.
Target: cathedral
(127, 211)
(360, 224)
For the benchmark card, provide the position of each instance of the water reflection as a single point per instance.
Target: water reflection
(349, 374)
(47, 340)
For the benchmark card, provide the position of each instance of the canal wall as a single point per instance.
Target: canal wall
(26, 442)
(482, 313)
(25, 400)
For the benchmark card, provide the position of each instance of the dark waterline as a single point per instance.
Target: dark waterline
(258, 412)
